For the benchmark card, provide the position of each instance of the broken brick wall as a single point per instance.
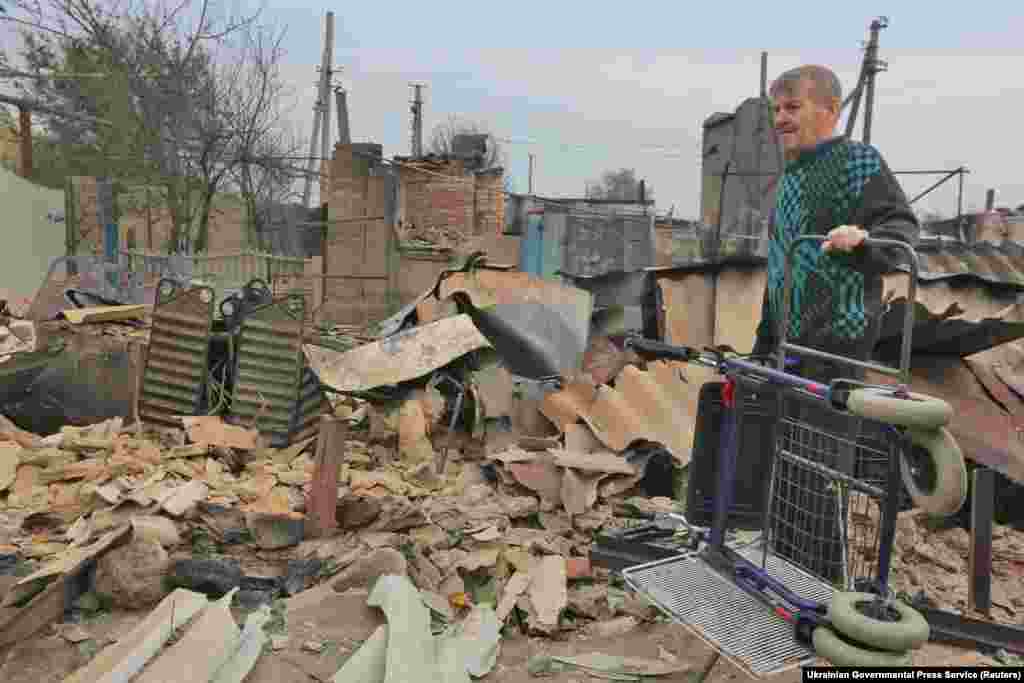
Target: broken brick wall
(490, 204)
(435, 201)
(356, 251)
(441, 202)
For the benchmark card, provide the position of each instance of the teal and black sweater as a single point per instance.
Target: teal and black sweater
(836, 298)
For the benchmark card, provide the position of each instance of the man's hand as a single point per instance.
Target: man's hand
(844, 238)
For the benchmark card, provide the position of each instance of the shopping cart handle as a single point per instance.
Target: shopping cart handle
(649, 347)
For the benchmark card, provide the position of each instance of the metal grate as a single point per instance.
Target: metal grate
(175, 375)
(274, 388)
(822, 517)
(726, 617)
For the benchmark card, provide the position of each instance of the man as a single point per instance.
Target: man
(842, 189)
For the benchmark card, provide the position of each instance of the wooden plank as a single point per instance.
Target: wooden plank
(18, 624)
(205, 647)
(330, 452)
(122, 660)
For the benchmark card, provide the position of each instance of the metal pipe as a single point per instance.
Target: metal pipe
(891, 508)
(751, 174)
(933, 187)
(871, 62)
(851, 120)
(764, 75)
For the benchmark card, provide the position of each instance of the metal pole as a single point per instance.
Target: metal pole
(764, 75)
(979, 556)
(342, 103)
(530, 182)
(935, 185)
(873, 67)
(960, 207)
(851, 120)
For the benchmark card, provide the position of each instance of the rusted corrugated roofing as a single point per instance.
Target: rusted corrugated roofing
(944, 259)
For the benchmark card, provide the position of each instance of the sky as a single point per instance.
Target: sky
(604, 86)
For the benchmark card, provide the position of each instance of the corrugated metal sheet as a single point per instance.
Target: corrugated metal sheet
(596, 244)
(1002, 264)
(274, 388)
(176, 369)
(942, 333)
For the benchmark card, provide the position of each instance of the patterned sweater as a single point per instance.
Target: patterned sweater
(836, 297)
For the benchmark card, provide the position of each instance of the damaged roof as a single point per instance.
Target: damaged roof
(994, 264)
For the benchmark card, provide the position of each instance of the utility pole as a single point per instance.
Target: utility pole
(530, 182)
(417, 120)
(874, 66)
(321, 110)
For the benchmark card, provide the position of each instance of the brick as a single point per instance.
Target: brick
(577, 567)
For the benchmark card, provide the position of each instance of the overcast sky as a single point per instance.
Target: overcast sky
(600, 86)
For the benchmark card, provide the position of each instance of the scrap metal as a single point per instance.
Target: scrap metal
(948, 627)
(274, 388)
(944, 333)
(403, 356)
(658, 405)
(539, 328)
(175, 375)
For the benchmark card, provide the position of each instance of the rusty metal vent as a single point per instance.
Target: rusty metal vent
(175, 374)
(274, 388)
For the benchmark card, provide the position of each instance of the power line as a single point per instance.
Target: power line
(589, 147)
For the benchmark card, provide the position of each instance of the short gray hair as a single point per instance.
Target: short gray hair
(825, 86)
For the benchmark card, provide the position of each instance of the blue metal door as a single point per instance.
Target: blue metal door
(531, 246)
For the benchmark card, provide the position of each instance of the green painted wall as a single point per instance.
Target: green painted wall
(30, 241)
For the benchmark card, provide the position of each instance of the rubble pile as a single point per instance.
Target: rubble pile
(934, 560)
(431, 236)
(447, 490)
(209, 509)
(16, 337)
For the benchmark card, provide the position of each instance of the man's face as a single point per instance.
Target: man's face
(801, 120)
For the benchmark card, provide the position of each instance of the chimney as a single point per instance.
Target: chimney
(25, 142)
(990, 200)
(343, 134)
(643, 191)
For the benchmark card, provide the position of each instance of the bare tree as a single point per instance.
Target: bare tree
(621, 184)
(442, 140)
(188, 103)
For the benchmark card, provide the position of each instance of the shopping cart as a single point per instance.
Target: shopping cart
(817, 580)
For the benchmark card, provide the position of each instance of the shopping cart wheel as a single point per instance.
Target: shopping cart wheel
(892, 626)
(841, 652)
(938, 485)
(911, 410)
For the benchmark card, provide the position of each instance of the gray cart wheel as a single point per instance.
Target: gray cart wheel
(907, 630)
(916, 411)
(831, 647)
(948, 481)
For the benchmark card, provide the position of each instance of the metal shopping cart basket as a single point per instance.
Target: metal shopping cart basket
(816, 581)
